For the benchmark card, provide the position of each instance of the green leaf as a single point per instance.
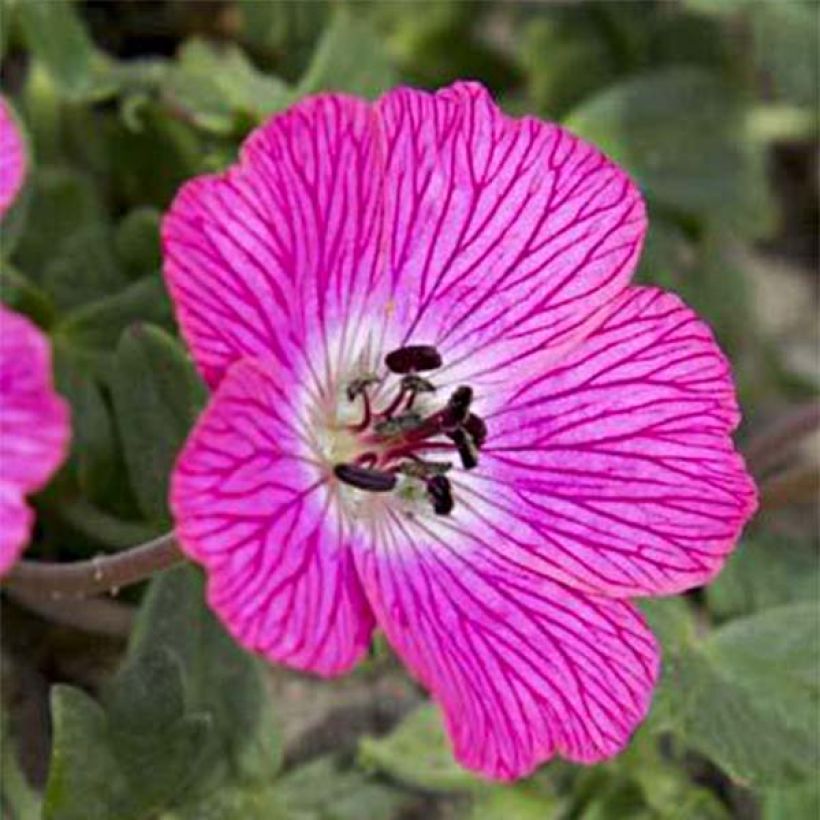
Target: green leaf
(151, 158)
(765, 572)
(84, 781)
(417, 753)
(95, 328)
(63, 202)
(100, 772)
(349, 57)
(793, 803)
(785, 44)
(157, 395)
(219, 88)
(326, 789)
(18, 799)
(220, 678)
(157, 738)
(55, 35)
(93, 441)
(137, 242)
(679, 132)
(747, 697)
(185, 725)
(521, 802)
(22, 295)
(83, 268)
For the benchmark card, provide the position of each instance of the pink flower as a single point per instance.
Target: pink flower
(34, 428)
(12, 158)
(587, 422)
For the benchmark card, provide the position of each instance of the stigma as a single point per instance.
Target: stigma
(399, 441)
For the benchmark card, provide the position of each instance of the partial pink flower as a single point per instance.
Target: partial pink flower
(34, 429)
(12, 157)
(440, 409)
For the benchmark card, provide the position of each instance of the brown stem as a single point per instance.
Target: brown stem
(766, 449)
(104, 573)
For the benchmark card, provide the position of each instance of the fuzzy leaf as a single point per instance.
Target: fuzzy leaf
(349, 57)
(679, 132)
(157, 395)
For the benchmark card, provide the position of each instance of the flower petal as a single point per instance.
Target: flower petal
(508, 237)
(34, 429)
(12, 157)
(252, 506)
(615, 471)
(524, 668)
(285, 241)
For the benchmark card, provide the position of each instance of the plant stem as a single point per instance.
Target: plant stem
(104, 573)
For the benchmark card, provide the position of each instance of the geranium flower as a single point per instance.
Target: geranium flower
(12, 158)
(440, 408)
(34, 429)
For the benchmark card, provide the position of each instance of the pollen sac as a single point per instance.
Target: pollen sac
(438, 489)
(413, 359)
(417, 384)
(360, 385)
(458, 407)
(365, 478)
(467, 449)
(477, 428)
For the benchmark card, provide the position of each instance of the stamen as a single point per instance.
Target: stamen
(466, 447)
(438, 489)
(413, 359)
(360, 385)
(477, 428)
(458, 407)
(365, 478)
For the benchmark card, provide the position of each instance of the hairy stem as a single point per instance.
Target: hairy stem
(104, 573)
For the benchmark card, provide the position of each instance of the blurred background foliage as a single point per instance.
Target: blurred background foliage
(712, 105)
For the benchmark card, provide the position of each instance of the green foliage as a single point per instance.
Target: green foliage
(186, 715)
(350, 58)
(765, 572)
(220, 89)
(746, 695)
(157, 396)
(680, 134)
(17, 798)
(57, 38)
(418, 754)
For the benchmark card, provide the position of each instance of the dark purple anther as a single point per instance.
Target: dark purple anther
(438, 488)
(477, 429)
(458, 407)
(413, 359)
(466, 447)
(375, 481)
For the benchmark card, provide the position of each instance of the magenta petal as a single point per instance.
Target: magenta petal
(12, 157)
(34, 429)
(508, 238)
(254, 510)
(524, 668)
(287, 240)
(615, 472)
